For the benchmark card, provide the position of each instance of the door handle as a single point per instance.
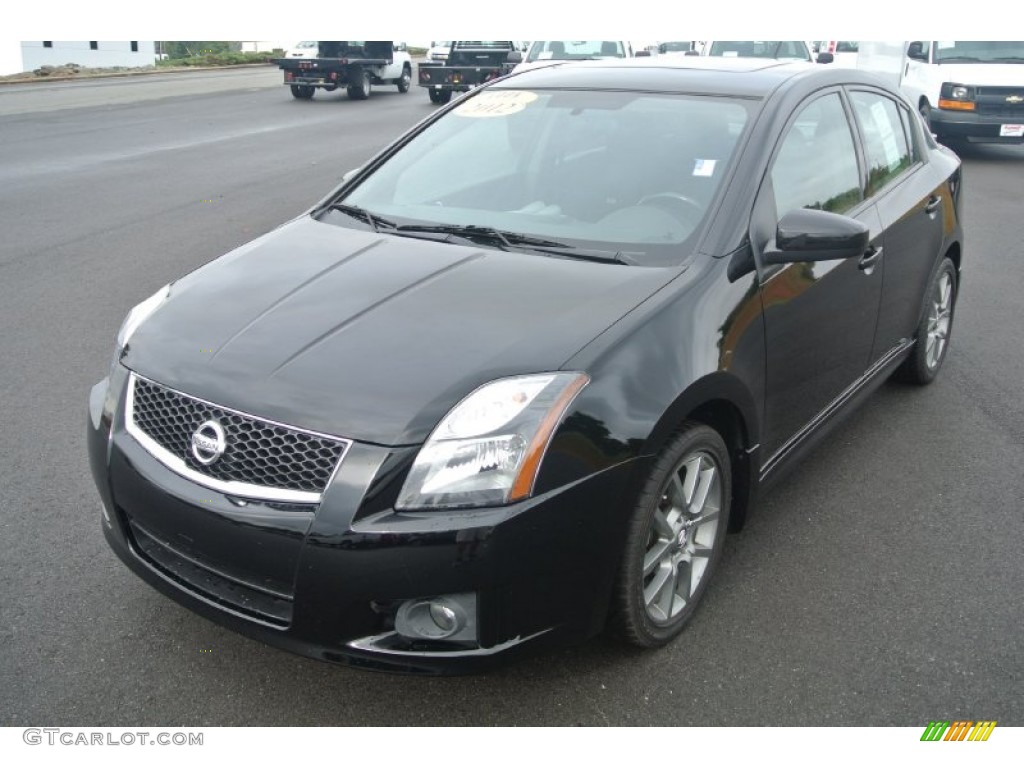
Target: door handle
(933, 204)
(869, 259)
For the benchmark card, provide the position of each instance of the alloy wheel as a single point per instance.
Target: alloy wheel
(681, 538)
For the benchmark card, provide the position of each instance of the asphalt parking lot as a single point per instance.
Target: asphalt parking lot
(879, 585)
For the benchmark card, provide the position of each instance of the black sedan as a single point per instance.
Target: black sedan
(513, 381)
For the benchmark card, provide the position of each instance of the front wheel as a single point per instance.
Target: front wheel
(675, 537)
(933, 331)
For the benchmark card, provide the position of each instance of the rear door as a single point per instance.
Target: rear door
(913, 203)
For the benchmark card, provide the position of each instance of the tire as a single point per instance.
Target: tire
(440, 97)
(676, 530)
(934, 328)
(405, 80)
(304, 92)
(361, 91)
(926, 114)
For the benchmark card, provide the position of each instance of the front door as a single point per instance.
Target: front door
(820, 317)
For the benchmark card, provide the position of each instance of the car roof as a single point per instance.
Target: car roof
(731, 76)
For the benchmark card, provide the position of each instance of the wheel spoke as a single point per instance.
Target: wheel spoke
(662, 526)
(684, 581)
(661, 577)
(692, 476)
(707, 477)
(945, 291)
(708, 517)
(700, 551)
(655, 555)
(667, 594)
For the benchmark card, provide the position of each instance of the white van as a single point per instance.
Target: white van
(965, 89)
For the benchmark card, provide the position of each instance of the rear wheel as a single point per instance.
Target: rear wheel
(405, 80)
(362, 89)
(440, 97)
(675, 537)
(303, 91)
(934, 329)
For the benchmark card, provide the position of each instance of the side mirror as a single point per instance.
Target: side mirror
(349, 174)
(514, 57)
(642, 52)
(807, 234)
(825, 58)
(917, 51)
(400, 47)
(692, 53)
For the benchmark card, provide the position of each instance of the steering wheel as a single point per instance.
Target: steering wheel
(692, 211)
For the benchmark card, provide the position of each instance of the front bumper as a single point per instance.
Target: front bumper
(325, 580)
(974, 127)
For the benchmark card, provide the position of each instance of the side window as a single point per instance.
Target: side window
(913, 137)
(817, 164)
(888, 153)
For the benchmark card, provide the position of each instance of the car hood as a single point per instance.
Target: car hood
(983, 73)
(371, 336)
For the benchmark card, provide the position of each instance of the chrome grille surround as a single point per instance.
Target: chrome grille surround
(263, 460)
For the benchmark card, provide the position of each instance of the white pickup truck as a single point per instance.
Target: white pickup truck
(356, 65)
(965, 89)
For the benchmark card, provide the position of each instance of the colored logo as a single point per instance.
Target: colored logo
(960, 730)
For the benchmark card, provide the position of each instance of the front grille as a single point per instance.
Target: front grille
(1001, 110)
(258, 453)
(991, 100)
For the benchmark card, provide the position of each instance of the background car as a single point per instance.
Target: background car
(677, 48)
(458, 410)
(438, 50)
(544, 51)
(795, 50)
(844, 52)
(306, 49)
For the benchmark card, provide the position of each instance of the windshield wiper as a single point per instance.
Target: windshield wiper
(355, 211)
(945, 59)
(509, 240)
(1008, 58)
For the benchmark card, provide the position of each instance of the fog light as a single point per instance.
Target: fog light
(451, 617)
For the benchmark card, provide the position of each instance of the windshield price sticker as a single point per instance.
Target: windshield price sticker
(496, 104)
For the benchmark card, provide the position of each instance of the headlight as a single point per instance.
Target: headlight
(137, 315)
(488, 449)
(959, 92)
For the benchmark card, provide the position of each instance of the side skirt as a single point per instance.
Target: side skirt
(832, 414)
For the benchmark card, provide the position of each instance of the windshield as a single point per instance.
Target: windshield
(979, 51)
(761, 49)
(616, 171)
(567, 50)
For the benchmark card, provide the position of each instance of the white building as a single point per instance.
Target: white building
(10, 57)
(87, 53)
